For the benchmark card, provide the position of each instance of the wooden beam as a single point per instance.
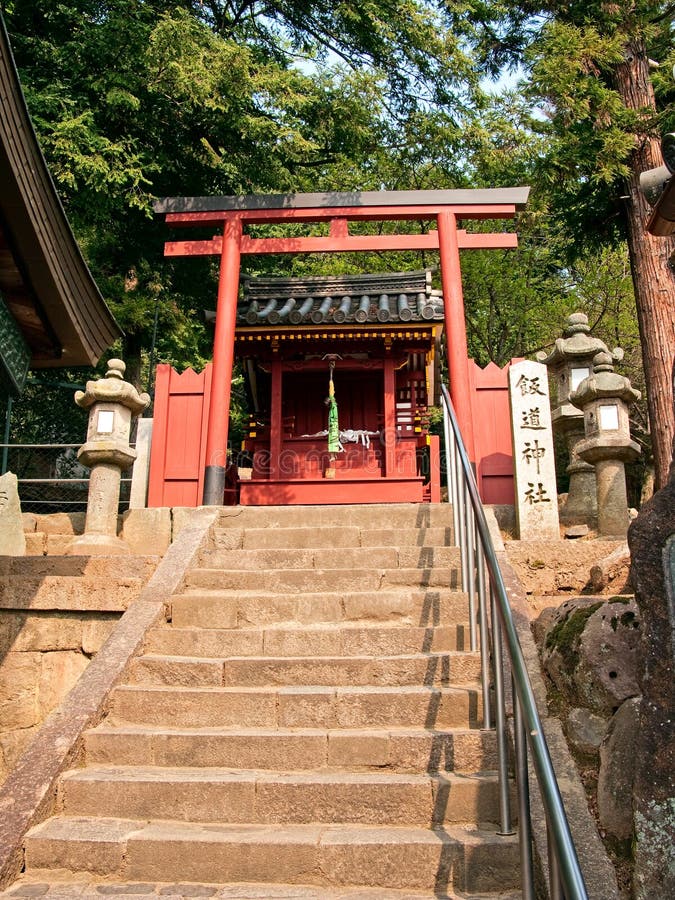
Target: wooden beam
(389, 417)
(276, 425)
(343, 244)
(362, 214)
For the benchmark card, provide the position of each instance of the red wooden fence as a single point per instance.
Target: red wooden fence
(492, 432)
(177, 457)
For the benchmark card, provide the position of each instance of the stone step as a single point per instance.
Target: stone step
(426, 536)
(297, 707)
(335, 640)
(420, 668)
(404, 750)
(60, 885)
(61, 889)
(452, 857)
(317, 580)
(329, 558)
(370, 516)
(331, 536)
(278, 797)
(229, 609)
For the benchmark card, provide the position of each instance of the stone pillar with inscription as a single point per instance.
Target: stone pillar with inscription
(570, 361)
(534, 463)
(112, 403)
(605, 397)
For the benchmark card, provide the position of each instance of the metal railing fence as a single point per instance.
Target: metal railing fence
(50, 478)
(492, 627)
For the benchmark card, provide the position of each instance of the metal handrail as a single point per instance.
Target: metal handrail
(477, 552)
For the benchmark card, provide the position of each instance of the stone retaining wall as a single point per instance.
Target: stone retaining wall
(42, 655)
(56, 614)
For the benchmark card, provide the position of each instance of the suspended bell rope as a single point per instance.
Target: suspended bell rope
(334, 445)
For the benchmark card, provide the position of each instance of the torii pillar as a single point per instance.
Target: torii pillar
(223, 362)
(231, 214)
(456, 346)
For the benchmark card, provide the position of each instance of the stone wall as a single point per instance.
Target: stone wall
(145, 531)
(56, 611)
(42, 655)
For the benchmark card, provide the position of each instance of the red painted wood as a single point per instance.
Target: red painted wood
(179, 454)
(329, 491)
(448, 240)
(358, 395)
(276, 428)
(343, 243)
(494, 447)
(178, 441)
(223, 346)
(455, 328)
(320, 365)
(339, 228)
(206, 408)
(434, 468)
(489, 241)
(389, 416)
(347, 244)
(362, 213)
(159, 436)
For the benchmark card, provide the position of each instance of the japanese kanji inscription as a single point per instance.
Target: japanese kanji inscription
(534, 463)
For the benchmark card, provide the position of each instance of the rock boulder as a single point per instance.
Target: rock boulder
(617, 771)
(590, 652)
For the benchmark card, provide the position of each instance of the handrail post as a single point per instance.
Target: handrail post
(523, 785)
(461, 503)
(554, 883)
(451, 474)
(471, 568)
(484, 643)
(506, 825)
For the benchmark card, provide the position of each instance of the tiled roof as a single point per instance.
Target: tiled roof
(341, 299)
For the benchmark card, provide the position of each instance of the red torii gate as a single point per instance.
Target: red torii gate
(232, 214)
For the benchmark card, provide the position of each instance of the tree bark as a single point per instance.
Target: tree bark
(653, 276)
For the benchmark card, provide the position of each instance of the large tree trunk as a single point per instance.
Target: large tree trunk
(653, 277)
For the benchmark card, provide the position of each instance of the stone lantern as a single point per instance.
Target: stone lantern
(570, 362)
(112, 403)
(605, 397)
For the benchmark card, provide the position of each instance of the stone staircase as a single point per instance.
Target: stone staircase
(308, 716)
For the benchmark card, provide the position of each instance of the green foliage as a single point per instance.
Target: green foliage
(570, 54)
(566, 635)
(46, 412)
(135, 99)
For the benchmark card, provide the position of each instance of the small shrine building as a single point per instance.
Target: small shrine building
(376, 338)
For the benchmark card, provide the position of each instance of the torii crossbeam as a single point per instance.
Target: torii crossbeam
(233, 214)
